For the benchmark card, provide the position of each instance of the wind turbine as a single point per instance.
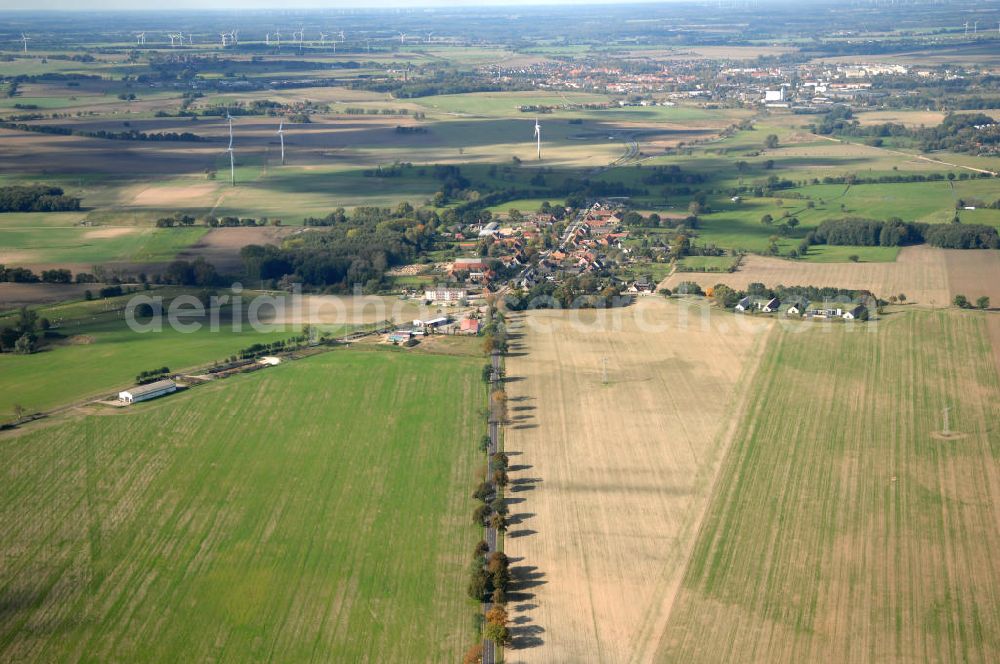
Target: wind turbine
(975, 27)
(232, 160)
(402, 37)
(323, 36)
(267, 39)
(225, 39)
(25, 38)
(140, 38)
(538, 138)
(281, 135)
(173, 38)
(429, 35)
(277, 38)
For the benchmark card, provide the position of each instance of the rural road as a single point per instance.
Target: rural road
(909, 154)
(489, 648)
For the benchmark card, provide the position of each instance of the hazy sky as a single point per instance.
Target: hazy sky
(277, 5)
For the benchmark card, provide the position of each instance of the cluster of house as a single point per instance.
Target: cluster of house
(813, 87)
(598, 76)
(798, 306)
(584, 248)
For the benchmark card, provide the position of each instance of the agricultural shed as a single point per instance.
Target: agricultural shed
(149, 391)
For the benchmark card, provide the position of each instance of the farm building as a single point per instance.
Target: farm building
(468, 265)
(148, 391)
(431, 323)
(269, 360)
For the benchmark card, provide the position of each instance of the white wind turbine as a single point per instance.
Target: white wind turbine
(538, 138)
(281, 135)
(173, 38)
(140, 38)
(402, 37)
(225, 39)
(25, 39)
(323, 36)
(277, 37)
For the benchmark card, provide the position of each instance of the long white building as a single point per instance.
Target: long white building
(148, 391)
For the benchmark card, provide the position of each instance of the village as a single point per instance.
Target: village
(808, 87)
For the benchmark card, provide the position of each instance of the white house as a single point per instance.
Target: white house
(148, 391)
(771, 305)
(443, 294)
(857, 312)
(489, 229)
(797, 307)
(642, 287)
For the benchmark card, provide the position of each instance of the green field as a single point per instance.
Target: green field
(47, 244)
(842, 529)
(708, 263)
(296, 527)
(97, 353)
(738, 226)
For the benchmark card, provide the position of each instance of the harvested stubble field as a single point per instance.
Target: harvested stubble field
(609, 481)
(221, 246)
(297, 527)
(921, 273)
(974, 273)
(843, 527)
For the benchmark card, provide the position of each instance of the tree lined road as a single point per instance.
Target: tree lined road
(489, 648)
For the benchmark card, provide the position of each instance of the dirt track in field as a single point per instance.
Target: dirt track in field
(609, 482)
(921, 273)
